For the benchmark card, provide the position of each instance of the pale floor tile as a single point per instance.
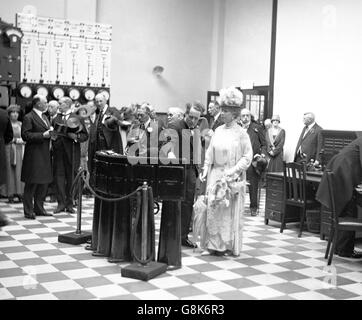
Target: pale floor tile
(8, 244)
(313, 262)
(59, 286)
(275, 250)
(81, 273)
(94, 263)
(28, 222)
(273, 259)
(155, 295)
(281, 236)
(18, 281)
(58, 259)
(27, 236)
(312, 254)
(182, 271)
(56, 225)
(168, 282)
(51, 239)
(309, 295)
(279, 243)
(8, 265)
(222, 275)
(21, 255)
(270, 268)
(354, 276)
(228, 264)
(312, 284)
(14, 227)
(118, 279)
(74, 250)
(266, 279)
(40, 269)
(46, 296)
(42, 230)
(201, 297)
(40, 247)
(5, 294)
(107, 291)
(313, 272)
(249, 240)
(213, 286)
(262, 292)
(190, 261)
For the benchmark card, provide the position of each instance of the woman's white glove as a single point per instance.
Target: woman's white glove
(203, 175)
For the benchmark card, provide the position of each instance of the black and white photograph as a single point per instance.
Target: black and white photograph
(176, 155)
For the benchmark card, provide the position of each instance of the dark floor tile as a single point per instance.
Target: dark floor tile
(51, 276)
(74, 295)
(234, 295)
(93, 282)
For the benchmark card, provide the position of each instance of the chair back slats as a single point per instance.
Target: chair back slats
(294, 182)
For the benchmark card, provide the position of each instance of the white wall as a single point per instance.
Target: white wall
(174, 34)
(247, 42)
(318, 65)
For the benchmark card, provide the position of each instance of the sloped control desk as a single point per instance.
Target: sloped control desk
(117, 175)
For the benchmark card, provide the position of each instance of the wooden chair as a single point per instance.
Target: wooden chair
(338, 224)
(295, 193)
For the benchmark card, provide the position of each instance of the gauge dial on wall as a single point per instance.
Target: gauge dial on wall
(89, 94)
(74, 94)
(58, 93)
(42, 91)
(25, 91)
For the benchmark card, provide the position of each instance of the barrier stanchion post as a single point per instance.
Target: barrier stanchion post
(78, 236)
(144, 270)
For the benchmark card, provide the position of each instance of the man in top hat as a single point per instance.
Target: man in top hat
(36, 171)
(257, 139)
(66, 152)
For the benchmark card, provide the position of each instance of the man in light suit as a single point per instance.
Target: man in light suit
(37, 170)
(309, 141)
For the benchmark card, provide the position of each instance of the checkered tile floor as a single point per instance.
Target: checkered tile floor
(34, 265)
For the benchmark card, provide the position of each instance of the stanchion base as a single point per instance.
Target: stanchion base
(146, 272)
(75, 238)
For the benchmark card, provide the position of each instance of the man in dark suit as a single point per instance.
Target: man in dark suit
(105, 135)
(215, 112)
(309, 141)
(258, 143)
(186, 143)
(6, 136)
(347, 169)
(66, 154)
(36, 171)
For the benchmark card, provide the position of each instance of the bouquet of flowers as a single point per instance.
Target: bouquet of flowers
(224, 190)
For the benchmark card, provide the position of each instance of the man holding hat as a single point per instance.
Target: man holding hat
(66, 153)
(257, 139)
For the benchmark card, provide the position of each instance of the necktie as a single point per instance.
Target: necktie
(45, 119)
(306, 131)
(142, 126)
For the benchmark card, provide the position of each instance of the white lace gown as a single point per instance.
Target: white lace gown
(229, 149)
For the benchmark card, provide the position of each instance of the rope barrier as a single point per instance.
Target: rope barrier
(84, 175)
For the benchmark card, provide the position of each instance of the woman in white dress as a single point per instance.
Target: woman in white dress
(227, 159)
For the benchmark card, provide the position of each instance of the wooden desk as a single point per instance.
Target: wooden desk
(274, 201)
(274, 196)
